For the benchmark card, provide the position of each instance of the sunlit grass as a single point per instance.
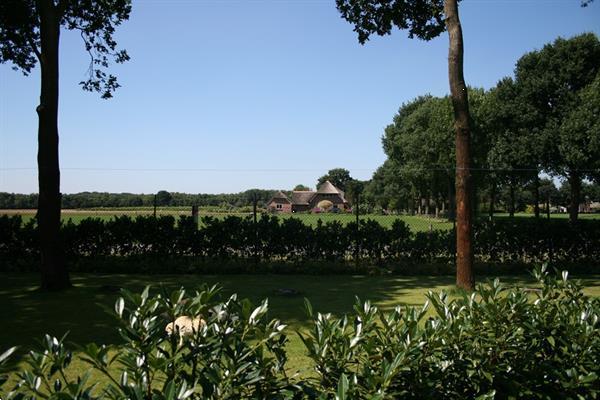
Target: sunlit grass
(28, 314)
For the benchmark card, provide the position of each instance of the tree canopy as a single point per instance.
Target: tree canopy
(560, 83)
(340, 177)
(301, 187)
(21, 36)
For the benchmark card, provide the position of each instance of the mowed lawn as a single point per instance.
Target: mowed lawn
(27, 314)
(417, 223)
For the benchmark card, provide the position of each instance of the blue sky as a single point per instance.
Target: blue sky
(223, 96)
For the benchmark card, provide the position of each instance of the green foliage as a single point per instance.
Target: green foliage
(142, 244)
(423, 19)
(102, 199)
(340, 178)
(20, 35)
(499, 342)
(559, 83)
(495, 343)
(163, 198)
(234, 352)
(4, 369)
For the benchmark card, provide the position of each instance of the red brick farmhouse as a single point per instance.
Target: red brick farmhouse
(308, 200)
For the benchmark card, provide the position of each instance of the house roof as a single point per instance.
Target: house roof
(302, 197)
(329, 188)
(280, 196)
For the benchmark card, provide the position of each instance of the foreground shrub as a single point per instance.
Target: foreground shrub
(231, 352)
(495, 343)
(498, 342)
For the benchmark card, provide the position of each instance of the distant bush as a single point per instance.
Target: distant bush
(279, 241)
(498, 342)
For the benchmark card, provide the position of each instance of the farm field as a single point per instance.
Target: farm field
(415, 222)
(30, 313)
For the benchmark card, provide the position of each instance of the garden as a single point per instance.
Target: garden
(258, 337)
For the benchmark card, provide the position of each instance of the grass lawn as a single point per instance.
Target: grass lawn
(27, 314)
(416, 223)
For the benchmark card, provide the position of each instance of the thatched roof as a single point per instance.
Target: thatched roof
(329, 188)
(302, 197)
(280, 196)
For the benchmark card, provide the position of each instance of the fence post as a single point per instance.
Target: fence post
(154, 206)
(195, 215)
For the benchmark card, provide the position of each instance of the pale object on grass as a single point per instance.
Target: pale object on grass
(185, 325)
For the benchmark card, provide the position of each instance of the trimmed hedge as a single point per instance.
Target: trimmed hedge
(233, 239)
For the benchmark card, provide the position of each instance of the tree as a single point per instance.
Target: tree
(301, 188)
(354, 189)
(387, 188)
(30, 33)
(163, 198)
(560, 82)
(340, 177)
(427, 20)
(516, 143)
(418, 142)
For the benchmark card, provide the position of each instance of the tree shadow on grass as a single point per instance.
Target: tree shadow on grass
(27, 314)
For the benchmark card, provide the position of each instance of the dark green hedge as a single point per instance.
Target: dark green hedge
(272, 240)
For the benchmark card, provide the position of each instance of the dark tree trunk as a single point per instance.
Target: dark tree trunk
(53, 269)
(536, 195)
(460, 103)
(511, 206)
(492, 200)
(548, 207)
(575, 183)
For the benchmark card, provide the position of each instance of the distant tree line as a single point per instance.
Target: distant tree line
(373, 200)
(162, 198)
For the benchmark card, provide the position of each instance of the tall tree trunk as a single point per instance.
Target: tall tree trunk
(53, 269)
(536, 195)
(460, 103)
(511, 206)
(492, 200)
(575, 183)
